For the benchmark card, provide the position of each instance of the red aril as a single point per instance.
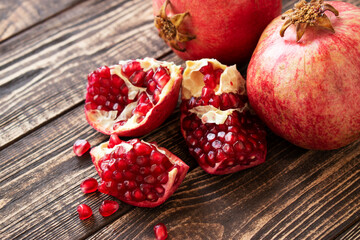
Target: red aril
(108, 208)
(216, 123)
(136, 172)
(89, 185)
(224, 30)
(133, 97)
(305, 85)
(160, 231)
(84, 211)
(80, 147)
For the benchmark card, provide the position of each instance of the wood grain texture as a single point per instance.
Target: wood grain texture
(17, 15)
(353, 233)
(43, 75)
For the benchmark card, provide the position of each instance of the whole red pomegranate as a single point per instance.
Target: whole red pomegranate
(132, 98)
(216, 123)
(225, 30)
(306, 84)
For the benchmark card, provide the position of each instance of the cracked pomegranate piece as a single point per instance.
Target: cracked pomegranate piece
(160, 231)
(108, 208)
(80, 147)
(132, 98)
(89, 185)
(84, 211)
(136, 172)
(216, 123)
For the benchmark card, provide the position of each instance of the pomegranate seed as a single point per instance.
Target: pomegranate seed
(157, 157)
(89, 185)
(137, 78)
(217, 74)
(84, 211)
(210, 81)
(163, 80)
(160, 231)
(80, 147)
(104, 72)
(142, 148)
(108, 208)
(130, 67)
(207, 69)
(149, 76)
(114, 140)
(151, 87)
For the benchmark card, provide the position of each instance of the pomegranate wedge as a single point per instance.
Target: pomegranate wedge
(216, 123)
(132, 98)
(136, 172)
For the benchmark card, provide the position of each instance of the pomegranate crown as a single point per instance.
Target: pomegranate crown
(306, 14)
(169, 28)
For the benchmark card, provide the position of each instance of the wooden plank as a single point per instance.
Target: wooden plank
(43, 71)
(18, 16)
(40, 178)
(296, 194)
(351, 233)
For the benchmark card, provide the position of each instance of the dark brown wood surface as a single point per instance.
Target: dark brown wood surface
(46, 51)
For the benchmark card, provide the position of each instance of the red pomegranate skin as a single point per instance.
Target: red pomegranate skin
(308, 91)
(225, 30)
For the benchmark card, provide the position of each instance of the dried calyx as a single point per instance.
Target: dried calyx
(306, 14)
(169, 28)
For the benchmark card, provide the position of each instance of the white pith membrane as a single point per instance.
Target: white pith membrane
(107, 119)
(231, 81)
(102, 150)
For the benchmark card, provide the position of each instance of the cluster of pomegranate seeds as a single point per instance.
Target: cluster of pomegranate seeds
(160, 231)
(239, 141)
(84, 211)
(135, 175)
(108, 207)
(80, 147)
(109, 92)
(89, 185)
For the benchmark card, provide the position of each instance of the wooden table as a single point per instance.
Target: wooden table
(46, 50)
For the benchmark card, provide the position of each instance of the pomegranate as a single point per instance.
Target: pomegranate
(84, 211)
(160, 231)
(215, 120)
(133, 97)
(108, 208)
(305, 85)
(80, 147)
(224, 30)
(89, 185)
(136, 172)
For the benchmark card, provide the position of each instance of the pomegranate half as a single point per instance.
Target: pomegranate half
(306, 84)
(132, 98)
(136, 172)
(225, 30)
(216, 123)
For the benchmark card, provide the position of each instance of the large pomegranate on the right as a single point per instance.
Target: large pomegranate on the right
(303, 79)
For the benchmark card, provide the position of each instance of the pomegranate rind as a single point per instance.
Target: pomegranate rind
(103, 121)
(176, 175)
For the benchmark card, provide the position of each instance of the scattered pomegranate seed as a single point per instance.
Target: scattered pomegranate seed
(80, 147)
(160, 231)
(84, 211)
(89, 185)
(108, 208)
